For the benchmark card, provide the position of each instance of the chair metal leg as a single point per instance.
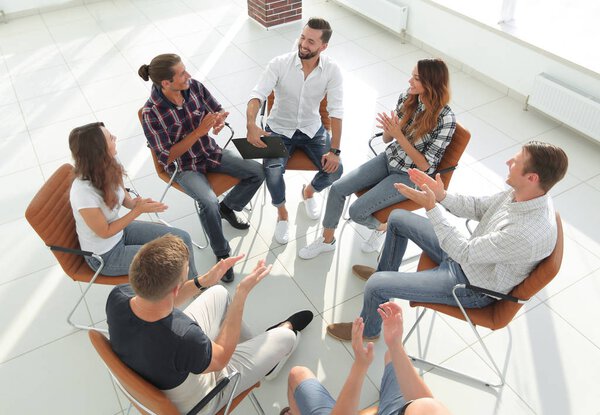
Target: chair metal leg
(237, 377)
(345, 214)
(256, 404)
(479, 339)
(87, 288)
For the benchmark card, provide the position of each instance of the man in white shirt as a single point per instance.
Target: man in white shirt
(516, 230)
(300, 80)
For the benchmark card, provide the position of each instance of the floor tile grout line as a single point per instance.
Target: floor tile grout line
(597, 346)
(74, 332)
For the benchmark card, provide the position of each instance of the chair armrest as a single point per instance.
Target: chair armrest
(469, 227)
(132, 191)
(70, 250)
(210, 395)
(371, 142)
(444, 171)
(495, 294)
(230, 136)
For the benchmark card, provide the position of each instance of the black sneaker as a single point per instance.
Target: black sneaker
(228, 276)
(298, 320)
(230, 216)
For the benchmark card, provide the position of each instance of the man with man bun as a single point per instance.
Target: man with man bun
(177, 119)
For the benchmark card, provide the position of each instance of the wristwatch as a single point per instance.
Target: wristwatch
(335, 151)
(197, 284)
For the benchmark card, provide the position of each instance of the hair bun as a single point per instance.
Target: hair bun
(144, 72)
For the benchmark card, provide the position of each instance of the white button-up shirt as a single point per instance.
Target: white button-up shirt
(297, 99)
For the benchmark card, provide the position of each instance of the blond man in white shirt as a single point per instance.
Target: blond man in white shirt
(300, 80)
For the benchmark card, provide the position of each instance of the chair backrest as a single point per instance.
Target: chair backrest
(219, 182)
(50, 214)
(454, 152)
(448, 163)
(498, 314)
(141, 390)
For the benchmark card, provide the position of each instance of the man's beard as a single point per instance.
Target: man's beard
(308, 55)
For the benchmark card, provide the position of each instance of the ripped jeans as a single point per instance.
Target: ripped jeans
(314, 148)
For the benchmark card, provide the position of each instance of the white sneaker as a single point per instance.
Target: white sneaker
(282, 232)
(374, 243)
(273, 374)
(311, 206)
(317, 247)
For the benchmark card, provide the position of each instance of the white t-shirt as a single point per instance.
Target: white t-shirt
(85, 195)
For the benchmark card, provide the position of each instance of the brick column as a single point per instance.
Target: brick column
(270, 13)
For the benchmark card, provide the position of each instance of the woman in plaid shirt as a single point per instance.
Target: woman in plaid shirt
(418, 130)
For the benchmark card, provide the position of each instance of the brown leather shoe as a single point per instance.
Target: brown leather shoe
(362, 271)
(343, 332)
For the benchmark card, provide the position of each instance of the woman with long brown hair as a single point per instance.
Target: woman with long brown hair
(418, 130)
(96, 197)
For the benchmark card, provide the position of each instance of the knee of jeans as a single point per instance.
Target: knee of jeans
(273, 170)
(355, 213)
(338, 173)
(398, 216)
(334, 191)
(183, 235)
(260, 175)
(257, 170)
(371, 285)
(210, 204)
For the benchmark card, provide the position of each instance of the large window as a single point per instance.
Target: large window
(566, 28)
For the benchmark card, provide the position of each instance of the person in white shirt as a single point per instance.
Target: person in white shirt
(517, 229)
(300, 80)
(97, 194)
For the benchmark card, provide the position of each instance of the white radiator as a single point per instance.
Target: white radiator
(566, 104)
(389, 13)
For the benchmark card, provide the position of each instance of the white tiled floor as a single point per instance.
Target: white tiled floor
(69, 67)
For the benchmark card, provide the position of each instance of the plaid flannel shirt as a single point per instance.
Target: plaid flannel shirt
(432, 145)
(166, 124)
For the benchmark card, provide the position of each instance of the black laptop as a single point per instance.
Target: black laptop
(274, 148)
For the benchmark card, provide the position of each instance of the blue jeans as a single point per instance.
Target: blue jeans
(430, 286)
(196, 186)
(313, 399)
(314, 148)
(136, 234)
(375, 173)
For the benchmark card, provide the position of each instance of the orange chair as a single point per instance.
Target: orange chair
(219, 182)
(446, 168)
(51, 216)
(498, 314)
(298, 160)
(148, 399)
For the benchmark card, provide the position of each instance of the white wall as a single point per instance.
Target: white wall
(493, 54)
(27, 7)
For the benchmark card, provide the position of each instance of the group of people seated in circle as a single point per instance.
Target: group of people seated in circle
(185, 351)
